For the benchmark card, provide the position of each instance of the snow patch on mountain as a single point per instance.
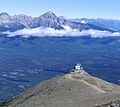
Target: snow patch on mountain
(83, 21)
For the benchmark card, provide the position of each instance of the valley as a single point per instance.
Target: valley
(25, 62)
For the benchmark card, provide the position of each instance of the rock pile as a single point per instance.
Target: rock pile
(111, 104)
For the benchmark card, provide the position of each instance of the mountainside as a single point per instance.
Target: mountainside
(49, 19)
(110, 24)
(76, 89)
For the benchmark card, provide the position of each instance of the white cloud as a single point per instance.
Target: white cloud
(40, 31)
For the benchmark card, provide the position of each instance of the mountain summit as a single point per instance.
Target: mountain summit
(76, 89)
(49, 14)
(48, 19)
(4, 16)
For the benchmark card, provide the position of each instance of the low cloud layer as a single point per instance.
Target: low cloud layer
(40, 31)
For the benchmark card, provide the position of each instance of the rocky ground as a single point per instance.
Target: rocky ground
(111, 104)
(71, 90)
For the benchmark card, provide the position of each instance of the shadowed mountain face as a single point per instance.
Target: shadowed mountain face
(49, 19)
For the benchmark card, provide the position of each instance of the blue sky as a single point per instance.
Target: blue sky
(67, 8)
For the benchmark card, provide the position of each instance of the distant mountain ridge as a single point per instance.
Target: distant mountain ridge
(49, 19)
(110, 24)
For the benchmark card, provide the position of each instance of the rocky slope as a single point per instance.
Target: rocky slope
(71, 90)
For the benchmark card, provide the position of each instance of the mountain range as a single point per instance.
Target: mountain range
(110, 24)
(50, 20)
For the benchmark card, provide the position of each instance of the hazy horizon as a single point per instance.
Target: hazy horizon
(107, 9)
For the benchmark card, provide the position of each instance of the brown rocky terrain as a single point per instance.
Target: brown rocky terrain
(76, 89)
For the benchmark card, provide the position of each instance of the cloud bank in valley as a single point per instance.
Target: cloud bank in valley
(67, 31)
